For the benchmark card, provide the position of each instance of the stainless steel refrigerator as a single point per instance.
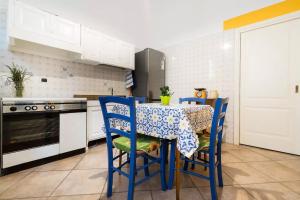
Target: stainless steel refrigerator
(149, 74)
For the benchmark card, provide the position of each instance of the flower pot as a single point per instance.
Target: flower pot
(19, 89)
(165, 100)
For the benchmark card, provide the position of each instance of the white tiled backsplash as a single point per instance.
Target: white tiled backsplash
(207, 62)
(65, 78)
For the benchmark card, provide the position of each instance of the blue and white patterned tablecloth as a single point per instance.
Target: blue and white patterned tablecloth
(177, 121)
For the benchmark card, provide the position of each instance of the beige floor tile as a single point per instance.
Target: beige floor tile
(227, 146)
(120, 183)
(243, 173)
(64, 164)
(82, 182)
(274, 155)
(271, 191)
(291, 164)
(9, 180)
(98, 147)
(185, 193)
(247, 155)
(200, 182)
(276, 170)
(293, 185)
(185, 181)
(77, 197)
(36, 184)
(44, 198)
(138, 195)
(227, 157)
(93, 160)
(227, 193)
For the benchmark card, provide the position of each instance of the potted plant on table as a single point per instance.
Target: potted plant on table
(165, 95)
(17, 76)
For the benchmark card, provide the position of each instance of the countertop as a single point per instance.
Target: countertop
(42, 99)
(94, 97)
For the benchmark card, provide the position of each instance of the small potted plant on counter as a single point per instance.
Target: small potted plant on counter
(165, 95)
(17, 76)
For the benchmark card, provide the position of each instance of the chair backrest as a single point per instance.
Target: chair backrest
(109, 116)
(192, 99)
(140, 99)
(218, 121)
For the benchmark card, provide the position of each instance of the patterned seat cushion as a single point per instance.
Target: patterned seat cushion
(143, 143)
(203, 142)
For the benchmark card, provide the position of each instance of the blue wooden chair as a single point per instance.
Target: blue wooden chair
(201, 101)
(140, 99)
(210, 145)
(137, 100)
(130, 143)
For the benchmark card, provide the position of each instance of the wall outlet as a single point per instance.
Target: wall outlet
(44, 80)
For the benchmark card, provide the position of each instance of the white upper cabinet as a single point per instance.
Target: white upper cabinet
(90, 45)
(37, 27)
(126, 54)
(31, 24)
(103, 49)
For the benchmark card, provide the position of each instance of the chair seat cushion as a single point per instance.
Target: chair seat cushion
(203, 142)
(143, 143)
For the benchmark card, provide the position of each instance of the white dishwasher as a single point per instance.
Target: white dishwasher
(72, 131)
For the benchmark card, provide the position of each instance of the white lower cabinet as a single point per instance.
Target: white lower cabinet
(72, 131)
(95, 122)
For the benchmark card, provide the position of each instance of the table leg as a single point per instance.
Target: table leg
(177, 168)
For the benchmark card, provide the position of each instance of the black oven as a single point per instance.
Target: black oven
(21, 131)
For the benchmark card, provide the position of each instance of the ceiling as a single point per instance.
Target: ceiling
(151, 23)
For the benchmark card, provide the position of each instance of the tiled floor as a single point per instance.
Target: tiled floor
(249, 173)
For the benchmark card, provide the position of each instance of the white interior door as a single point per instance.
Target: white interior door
(269, 104)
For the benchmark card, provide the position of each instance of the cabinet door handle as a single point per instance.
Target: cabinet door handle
(297, 89)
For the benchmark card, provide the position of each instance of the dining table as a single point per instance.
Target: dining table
(174, 122)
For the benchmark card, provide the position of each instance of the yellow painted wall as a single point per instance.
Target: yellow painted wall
(269, 12)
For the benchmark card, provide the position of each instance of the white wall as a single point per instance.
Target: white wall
(65, 78)
(207, 62)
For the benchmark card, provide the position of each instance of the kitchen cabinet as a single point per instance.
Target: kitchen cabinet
(90, 41)
(95, 122)
(72, 131)
(103, 49)
(126, 55)
(37, 26)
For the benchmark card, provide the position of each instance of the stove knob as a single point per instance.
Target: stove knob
(27, 108)
(13, 108)
(52, 107)
(46, 107)
(34, 107)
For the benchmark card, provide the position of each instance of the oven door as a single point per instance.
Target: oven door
(28, 130)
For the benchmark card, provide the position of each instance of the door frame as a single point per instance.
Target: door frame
(237, 65)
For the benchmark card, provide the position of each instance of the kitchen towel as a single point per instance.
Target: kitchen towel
(129, 82)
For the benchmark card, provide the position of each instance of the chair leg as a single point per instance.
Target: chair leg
(110, 173)
(205, 159)
(166, 151)
(163, 164)
(146, 169)
(172, 164)
(120, 160)
(186, 165)
(132, 172)
(219, 167)
(212, 179)
(193, 164)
